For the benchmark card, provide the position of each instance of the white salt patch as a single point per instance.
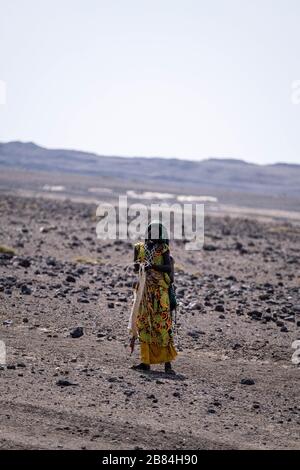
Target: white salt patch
(191, 198)
(47, 187)
(100, 190)
(149, 195)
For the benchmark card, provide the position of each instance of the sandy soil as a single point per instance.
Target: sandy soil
(239, 300)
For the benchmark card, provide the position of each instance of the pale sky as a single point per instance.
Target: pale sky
(172, 78)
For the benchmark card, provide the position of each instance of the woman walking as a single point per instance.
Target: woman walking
(152, 321)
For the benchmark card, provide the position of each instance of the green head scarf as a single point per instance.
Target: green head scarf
(157, 232)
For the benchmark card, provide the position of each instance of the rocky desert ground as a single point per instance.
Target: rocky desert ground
(65, 298)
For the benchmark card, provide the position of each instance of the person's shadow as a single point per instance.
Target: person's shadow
(160, 375)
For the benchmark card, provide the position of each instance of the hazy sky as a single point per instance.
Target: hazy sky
(174, 78)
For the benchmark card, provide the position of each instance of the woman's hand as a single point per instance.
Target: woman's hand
(149, 266)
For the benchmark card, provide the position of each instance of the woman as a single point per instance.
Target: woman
(153, 321)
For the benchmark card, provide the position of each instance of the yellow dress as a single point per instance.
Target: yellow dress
(154, 320)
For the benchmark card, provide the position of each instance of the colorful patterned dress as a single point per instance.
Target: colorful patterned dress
(154, 320)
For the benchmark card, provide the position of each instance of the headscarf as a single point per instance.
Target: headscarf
(157, 232)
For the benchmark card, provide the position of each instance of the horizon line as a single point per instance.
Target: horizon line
(157, 157)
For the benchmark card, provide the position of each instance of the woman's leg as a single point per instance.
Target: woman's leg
(168, 368)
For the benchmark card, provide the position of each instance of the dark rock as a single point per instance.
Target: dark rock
(51, 261)
(195, 333)
(111, 305)
(24, 262)
(247, 382)
(70, 278)
(65, 383)
(180, 292)
(284, 329)
(290, 318)
(25, 290)
(101, 335)
(219, 308)
(264, 297)
(217, 403)
(255, 314)
(209, 247)
(267, 317)
(151, 397)
(77, 332)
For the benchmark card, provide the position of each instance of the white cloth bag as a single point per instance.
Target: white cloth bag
(138, 295)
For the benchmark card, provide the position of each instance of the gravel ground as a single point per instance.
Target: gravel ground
(236, 385)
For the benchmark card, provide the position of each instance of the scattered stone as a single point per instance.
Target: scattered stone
(151, 397)
(290, 318)
(47, 229)
(209, 247)
(25, 290)
(219, 308)
(195, 333)
(247, 382)
(65, 383)
(24, 263)
(77, 332)
(255, 314)
(70, 278)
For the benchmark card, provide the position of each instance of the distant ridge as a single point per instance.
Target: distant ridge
(230, 174)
